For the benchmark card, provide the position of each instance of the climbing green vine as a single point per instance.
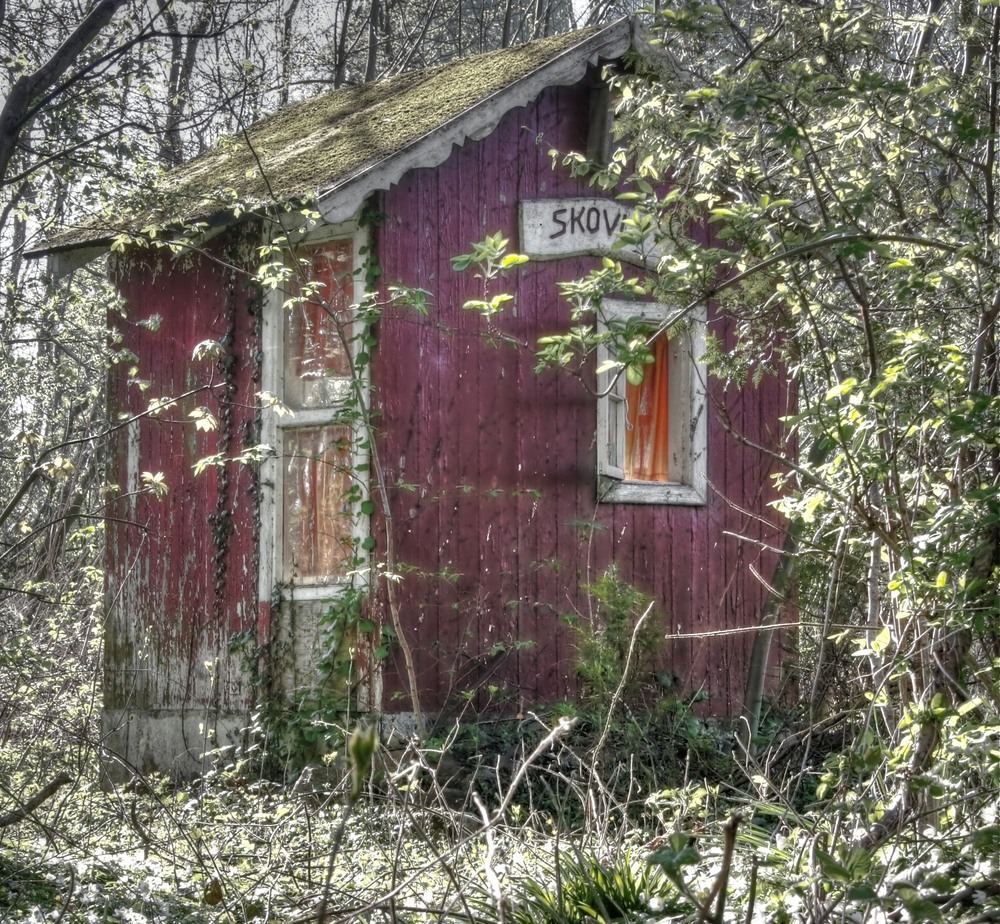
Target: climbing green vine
(352, 640)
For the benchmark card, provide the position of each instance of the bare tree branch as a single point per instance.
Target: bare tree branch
(17, 106)
(44, 794)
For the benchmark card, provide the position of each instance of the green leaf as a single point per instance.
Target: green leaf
(843, 388)
(513, 259)
(861, 892)
(635, 373)
(831, 868)
(987, 839)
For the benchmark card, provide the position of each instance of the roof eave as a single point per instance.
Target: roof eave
(342, 201)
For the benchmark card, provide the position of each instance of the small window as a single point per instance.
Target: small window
(651, 436)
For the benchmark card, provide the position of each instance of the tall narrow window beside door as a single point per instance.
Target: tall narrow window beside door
(651, 437)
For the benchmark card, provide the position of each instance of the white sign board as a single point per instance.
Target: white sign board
(553, 228)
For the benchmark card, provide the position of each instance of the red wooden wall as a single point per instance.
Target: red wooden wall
(498, 464)
(491, 470)
(182, 578)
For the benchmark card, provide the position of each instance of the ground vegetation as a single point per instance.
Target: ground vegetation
(844, 157)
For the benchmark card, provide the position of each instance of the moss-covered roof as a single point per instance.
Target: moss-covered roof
(329, 142)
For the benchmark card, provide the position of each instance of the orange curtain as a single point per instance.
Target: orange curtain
(647, 420)
(317, 531)
(318, 350)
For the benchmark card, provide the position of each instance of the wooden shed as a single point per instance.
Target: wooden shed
(402, 432)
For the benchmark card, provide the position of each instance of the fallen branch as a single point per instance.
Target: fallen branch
(45, 793)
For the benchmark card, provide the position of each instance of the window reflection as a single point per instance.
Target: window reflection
(316, 510)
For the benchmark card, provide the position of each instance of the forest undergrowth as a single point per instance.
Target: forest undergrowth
(595, 814)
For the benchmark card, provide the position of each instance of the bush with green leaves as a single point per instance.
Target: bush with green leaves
(580, 887)
(825, 176)
(615, 641)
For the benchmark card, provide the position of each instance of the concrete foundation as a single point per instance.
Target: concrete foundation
(178, 743)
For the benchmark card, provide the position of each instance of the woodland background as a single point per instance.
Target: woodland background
(846, 154)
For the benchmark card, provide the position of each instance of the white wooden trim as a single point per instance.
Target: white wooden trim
(313, 416)
(608, 462)
(649, 492)
(270, 466)
(315, 592)
(344, 199)
(274, 425)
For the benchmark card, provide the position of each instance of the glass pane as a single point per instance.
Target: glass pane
(316, 521)
(315, 361)
(647, 428)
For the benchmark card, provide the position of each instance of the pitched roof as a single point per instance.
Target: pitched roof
(342, 145)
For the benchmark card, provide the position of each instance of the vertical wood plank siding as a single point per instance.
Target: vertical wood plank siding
(182, 571)
(494, 465)
(491, 469)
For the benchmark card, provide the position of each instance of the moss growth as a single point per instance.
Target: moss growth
(311, 146)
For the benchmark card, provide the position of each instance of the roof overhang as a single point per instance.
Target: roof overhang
(343, 201)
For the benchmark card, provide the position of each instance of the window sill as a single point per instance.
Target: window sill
(313, 592)
(612, 491)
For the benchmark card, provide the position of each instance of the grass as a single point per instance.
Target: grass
(245, 854)
(237, 849)
(548, 838)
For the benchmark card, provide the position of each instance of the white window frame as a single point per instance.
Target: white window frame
(274, 425)
(687, 427)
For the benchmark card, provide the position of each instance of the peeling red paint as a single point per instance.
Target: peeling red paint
(458, 412)
(179, 585)
(490, 468)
